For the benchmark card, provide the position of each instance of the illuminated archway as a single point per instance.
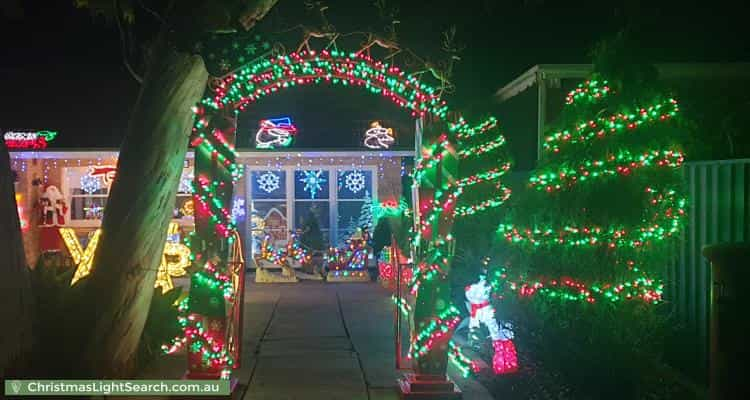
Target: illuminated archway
(437, 178)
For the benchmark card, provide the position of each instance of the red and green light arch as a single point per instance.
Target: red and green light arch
(217, 169)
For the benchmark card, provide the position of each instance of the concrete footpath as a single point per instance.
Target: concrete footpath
(314, 340)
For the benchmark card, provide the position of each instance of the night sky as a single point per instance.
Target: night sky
(62, 68)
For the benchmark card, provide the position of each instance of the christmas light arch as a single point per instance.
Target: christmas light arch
(436, 177)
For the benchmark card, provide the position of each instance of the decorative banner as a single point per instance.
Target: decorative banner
(28, 140)
(105, 172)
(175, 259)
(378, 137)
(274, 133)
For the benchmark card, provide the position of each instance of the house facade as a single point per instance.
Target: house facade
(277, 193)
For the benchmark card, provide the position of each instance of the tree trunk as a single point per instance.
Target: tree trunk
(16, 301)
(140, 207)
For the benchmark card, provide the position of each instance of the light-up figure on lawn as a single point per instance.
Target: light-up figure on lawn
(273, 133)
(478, 295)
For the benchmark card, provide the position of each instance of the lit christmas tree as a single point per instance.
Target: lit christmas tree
(365, 214)
(600, 212)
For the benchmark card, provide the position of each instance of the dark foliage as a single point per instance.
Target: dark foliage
(312, 236)
(160, 326)
(62, 329)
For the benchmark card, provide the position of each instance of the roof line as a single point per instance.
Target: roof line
(113, 152)
(669, 70)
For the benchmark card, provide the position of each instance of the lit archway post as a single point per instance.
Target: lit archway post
(211, 289)
(434, 318)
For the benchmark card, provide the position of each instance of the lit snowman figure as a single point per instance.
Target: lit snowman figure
(482, 312)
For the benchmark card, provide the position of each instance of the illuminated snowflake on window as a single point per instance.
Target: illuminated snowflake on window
(354, 181)
(268, 182)
(90, 184)
(186, 183)
(313, 181)
(238, 208)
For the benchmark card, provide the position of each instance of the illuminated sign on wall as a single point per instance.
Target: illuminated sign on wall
(28, 140)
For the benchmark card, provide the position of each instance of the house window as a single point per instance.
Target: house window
(268, 203)
(354, 195)
(337, 197)
(87, 194)
(183, 206)
(312, 199)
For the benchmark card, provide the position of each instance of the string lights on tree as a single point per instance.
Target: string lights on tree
(597, 155)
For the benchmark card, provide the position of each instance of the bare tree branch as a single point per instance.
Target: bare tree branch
(123, 44)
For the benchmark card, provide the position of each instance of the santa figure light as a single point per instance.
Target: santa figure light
(53, 209)
(478, 295)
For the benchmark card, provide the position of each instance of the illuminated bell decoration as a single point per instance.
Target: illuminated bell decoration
(174, 261)
(378, 137)
(28, 140)
(275, 133)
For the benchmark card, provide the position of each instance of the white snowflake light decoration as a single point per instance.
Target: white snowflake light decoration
(90, 184)
(354, 181)
(238, 208)
(186, 183)
(268, 182)
(313, 181)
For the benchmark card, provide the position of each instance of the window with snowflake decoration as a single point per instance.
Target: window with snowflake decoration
(267, 200)
(352, 184)
(85, 194)
(311, 184)
(268, 184)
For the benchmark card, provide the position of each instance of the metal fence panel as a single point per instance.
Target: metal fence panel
(718, 210)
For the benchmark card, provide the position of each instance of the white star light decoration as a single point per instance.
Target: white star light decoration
(354, 181)
(378, 137)
(268, 182)
(313, 181)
